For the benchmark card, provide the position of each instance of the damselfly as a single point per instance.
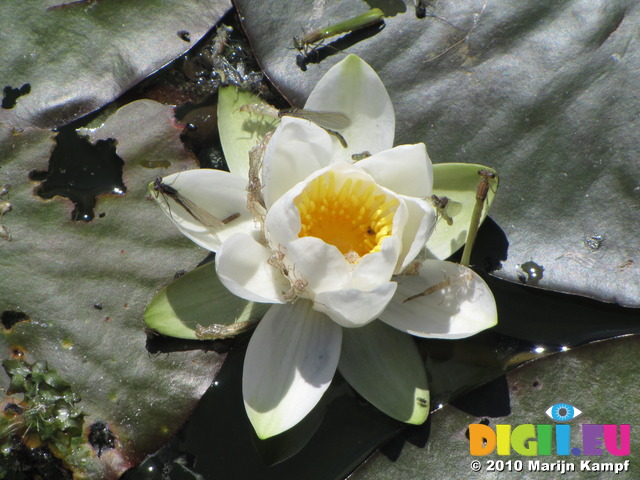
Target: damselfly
(310, 40)
(203, 217)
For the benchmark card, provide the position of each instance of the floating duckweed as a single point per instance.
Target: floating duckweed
(48, 418)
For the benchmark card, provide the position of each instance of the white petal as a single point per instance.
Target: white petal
(405, 170)
(211, 197)
(384, 366)
(290, 362)
(352, 87)
(354, 308)
(242, 266)
(297, 149)
(377, 267)
(416, 232)
(457, 303)
(321, 265)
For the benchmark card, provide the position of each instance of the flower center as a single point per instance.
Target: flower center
(354, 215)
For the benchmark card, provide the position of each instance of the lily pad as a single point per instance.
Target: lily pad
(77, 291)
(62, 60)
(531, 390)
(544, 93)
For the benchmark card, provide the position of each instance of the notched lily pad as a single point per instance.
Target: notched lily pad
(544, 93)
(115, 262)
(527, 394)
(81, 170)
(64, 60)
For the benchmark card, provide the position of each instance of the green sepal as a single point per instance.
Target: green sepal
(458, 182)
(198, 306)
(384, 366)
(240, 131)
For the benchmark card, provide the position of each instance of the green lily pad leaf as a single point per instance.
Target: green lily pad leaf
(242, 126)
(384, 366)
(530, 392)
(149, 144)
(198, 306)
(62, 60)
(543, 93)
(77, 291)
(457, 182)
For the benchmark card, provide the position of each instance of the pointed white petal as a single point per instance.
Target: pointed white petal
(242, 266)
(353, 88)
(405, 170)
(290, 362)
(216, 205)
(354, 308)
(416, 232)
(319, 264)
(456, 302)
(384, 366)
(297, 149)
(377, 267)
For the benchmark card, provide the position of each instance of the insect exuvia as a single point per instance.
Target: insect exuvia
(356, 157)
(462, 277)
(446, 208)
(329, 121)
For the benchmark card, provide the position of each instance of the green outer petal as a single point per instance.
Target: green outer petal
(290, 362)
(199, 299)
(458, 182)
(384, 366)
(240, 131)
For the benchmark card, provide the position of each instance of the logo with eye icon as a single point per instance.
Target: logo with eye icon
(562, 412)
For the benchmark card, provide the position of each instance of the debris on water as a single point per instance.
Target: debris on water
(579, 257)
(184, 36)
(533, 273)
(101, 437)
(625, 265)
(594, 242)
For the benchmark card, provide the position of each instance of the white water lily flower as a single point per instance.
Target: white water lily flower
(336, 249)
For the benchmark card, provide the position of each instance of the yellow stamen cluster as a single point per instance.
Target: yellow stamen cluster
(354, 215)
